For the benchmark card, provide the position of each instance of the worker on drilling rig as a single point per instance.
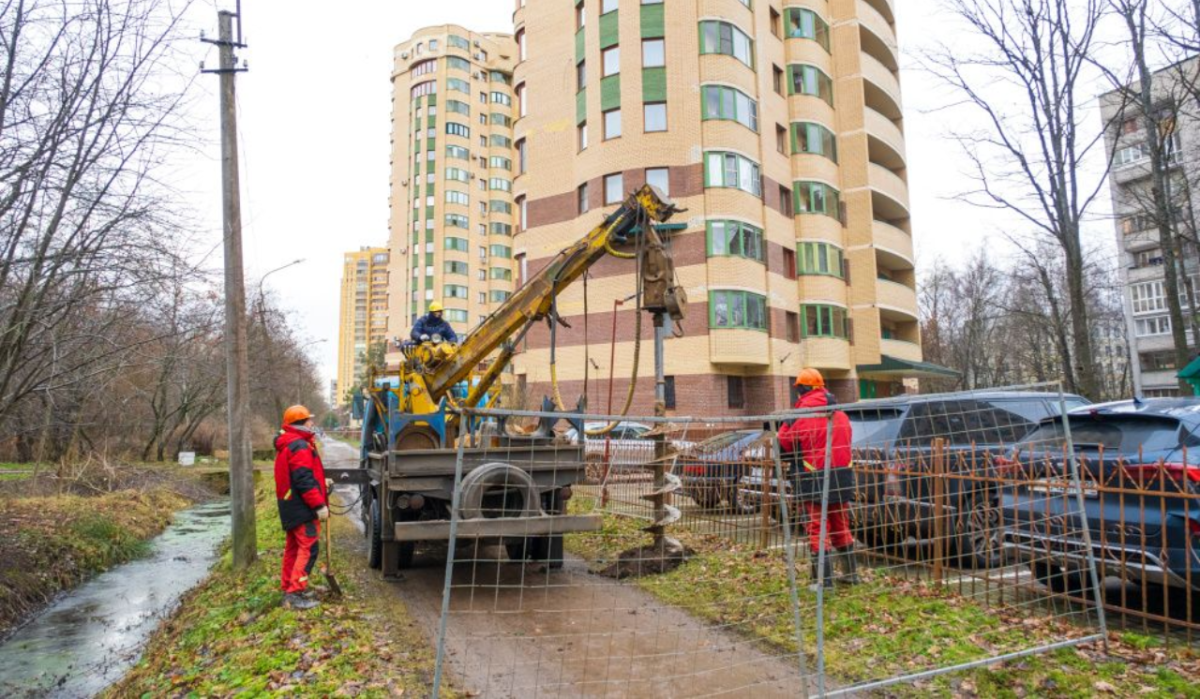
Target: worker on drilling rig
(432, 324)
(803, 444)
(302, 493)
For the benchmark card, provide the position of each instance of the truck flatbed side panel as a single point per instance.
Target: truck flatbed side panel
(441, 462)
(500, 526)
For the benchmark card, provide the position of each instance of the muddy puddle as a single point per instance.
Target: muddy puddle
(93, 634)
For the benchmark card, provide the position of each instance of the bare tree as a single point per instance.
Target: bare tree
(1026, 81)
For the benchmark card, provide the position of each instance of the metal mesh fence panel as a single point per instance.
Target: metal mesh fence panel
(960, 534)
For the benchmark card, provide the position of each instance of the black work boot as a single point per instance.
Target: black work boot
(296, 600)
(849, 565)
(814, 572)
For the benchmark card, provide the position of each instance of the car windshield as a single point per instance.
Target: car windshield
(1126, 434)
(874, 426)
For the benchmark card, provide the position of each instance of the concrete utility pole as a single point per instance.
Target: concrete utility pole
(241, 468)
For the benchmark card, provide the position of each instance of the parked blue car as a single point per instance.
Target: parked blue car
(1139, 462)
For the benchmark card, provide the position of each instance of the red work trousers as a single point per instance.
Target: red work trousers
(299, 555)
(837, 531)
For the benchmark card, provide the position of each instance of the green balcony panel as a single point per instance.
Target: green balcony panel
(609, 30)
(610, 93)
(653, 24)
(581, 106)
(654, 82)
(579, 46)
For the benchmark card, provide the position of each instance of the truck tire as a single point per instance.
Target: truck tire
(375, 533)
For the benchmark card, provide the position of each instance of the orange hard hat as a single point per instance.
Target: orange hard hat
(811, 378)
(296, 413)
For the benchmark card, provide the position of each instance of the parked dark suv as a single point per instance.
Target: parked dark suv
(1139, 463)
(898, 493)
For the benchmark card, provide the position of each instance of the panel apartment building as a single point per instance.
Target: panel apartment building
(363, 313)
(1151, 346)
(778, 128)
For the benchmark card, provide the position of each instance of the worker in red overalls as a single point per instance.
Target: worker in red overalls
(301, 491)
(803, 445)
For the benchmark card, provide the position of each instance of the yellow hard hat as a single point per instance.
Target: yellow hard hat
(435, 307)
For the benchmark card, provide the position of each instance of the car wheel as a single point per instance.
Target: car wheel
(1059, 580)
(739, 507)
(375, 532)
(980, 538)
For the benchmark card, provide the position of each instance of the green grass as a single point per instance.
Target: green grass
(231, 636)
(890, 626)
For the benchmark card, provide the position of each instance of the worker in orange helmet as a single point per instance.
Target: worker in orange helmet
(302, 494)
(803, 444)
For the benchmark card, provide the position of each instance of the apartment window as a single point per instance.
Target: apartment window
(501, 120)
(499, 141)
(499, 207)
(457, 42)
(735, 387)
(777, 79)
(502, 98)
(607, 6)
(780, 139)
(659, 177)
(808, 137)
(499, 163)
(426, 88)
(452, 267)
(824, 321)
(457, 174)
(806, 24)
(820, 259)
(792, 323)
(460, 198)
(581, 198)
(580, 16)
(500, 251)
(811, 80)
(497, 228)
(1148, 297)
(725, 38)
(483, 97)
(610, 61)
(581, 76)
(735, 239)
(458, 85)
(1163, 360)
(521, 45)
(458, 129)
(498, 76)
(522, 100)
(483, 252)
(722, 102)
(456, 63)
(424, 67)
(1154, 325)
(455, 315)
(775, 22)
(522, 213)
(1148, 258)
(457, 244)
(785, 200)
(499, 296)
(612, 124)
(655, 116)
(581, 133)
(817, 198)
(654, 53)
(500, 184)
(458, 107)
(732, 170)
(482, 297)
(522, 157)
(614, 189)
(500, 274)
(737, 309)
(668, 381)
(458, 152)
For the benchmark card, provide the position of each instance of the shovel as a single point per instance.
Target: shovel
(334, 588)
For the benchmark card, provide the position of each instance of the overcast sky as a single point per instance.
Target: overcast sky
(315, 129)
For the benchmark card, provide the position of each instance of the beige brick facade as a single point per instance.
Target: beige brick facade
(782, 298)
(363, 313)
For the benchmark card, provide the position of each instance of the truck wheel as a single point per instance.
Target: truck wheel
(375, 532)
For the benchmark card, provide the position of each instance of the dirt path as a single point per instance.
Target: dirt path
(520, 631)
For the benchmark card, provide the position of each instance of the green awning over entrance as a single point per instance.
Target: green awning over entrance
(1191, 374)
(892, 367)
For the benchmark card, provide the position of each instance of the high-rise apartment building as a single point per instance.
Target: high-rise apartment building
(1151, 345)
(363, 314)
(452, 213)
(778, 128)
